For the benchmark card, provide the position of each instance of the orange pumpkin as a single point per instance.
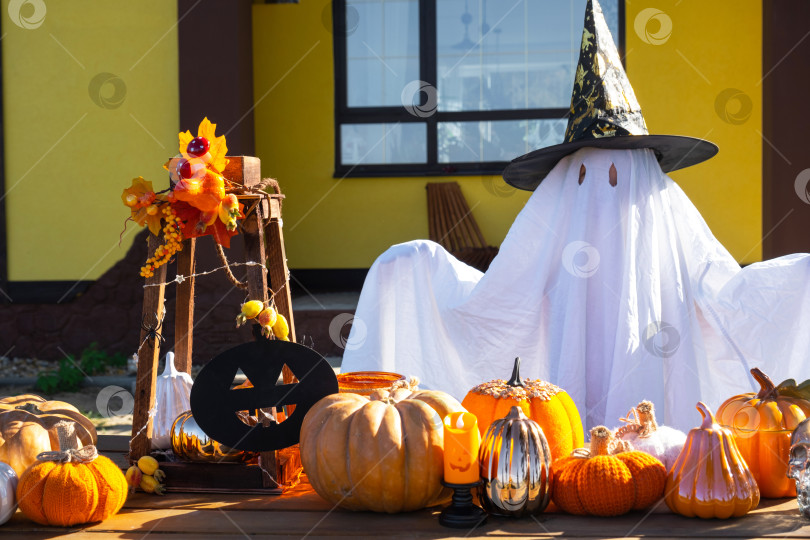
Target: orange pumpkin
(710, 478)
(547, 404)
(71, 486)
(607, 480)
(27, 427)
(382, 453)
(762, 424)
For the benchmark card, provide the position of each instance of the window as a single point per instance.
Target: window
(428, 87)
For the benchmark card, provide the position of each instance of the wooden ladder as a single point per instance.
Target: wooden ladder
(262, 222)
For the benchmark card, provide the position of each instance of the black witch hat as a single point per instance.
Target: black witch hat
(604, 114)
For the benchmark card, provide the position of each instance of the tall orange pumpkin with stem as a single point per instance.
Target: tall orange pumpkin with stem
(71, 486)
(762, 423)
(547, 404)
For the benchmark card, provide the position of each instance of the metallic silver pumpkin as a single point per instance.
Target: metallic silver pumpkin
(515, 466)
(190, 443)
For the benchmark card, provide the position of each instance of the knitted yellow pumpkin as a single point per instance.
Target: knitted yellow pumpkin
(607, 480)
(71, 486)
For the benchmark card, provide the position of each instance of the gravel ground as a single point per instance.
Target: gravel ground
(84, 399)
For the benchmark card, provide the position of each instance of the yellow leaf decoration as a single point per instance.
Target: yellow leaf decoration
(217, 149)
(144, 204)
(185, 138)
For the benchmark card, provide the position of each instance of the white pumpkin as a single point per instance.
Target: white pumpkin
(8, 492)
(172, 391)
(644, 433)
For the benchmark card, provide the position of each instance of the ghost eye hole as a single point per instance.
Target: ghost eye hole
(613, 174)
(581, 173)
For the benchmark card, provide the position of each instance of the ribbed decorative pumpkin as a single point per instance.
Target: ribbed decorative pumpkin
(515, 463)
(71, 486)
(762, 424)
(643, 433)
(607, 480)
(710, 478)
(382, 453)
(8, 492)
(548, 405)
(27, 428)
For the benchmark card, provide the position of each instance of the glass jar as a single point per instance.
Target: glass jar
(365, 382)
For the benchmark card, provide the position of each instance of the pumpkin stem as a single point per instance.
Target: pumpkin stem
(767, 389)
(708, 416)
(646, 417)
(29, 407)
(66, 432)
(600, 441)
(516, 380)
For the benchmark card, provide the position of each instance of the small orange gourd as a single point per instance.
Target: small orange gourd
(547, 404)
(710, 478)
(761, 424)
(607, 480)
(71, 486)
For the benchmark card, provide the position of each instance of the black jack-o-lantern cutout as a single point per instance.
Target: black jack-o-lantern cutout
(215, 405)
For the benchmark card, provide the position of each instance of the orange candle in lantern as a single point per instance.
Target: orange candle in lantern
(461, 442)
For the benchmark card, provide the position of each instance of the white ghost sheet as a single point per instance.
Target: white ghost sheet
(615, 293)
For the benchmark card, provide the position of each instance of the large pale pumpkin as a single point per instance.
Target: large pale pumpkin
(382, 453)
(762, 424)
(547, 404)
(27, 427)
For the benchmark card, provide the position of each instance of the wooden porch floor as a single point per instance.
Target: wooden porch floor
(301, 513)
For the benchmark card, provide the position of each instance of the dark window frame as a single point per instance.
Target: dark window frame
(427, 73)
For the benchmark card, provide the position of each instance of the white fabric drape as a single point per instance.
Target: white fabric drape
(615, 293)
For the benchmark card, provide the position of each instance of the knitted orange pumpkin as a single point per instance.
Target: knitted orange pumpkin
(548, 405)
(607, 480)
(71, 486)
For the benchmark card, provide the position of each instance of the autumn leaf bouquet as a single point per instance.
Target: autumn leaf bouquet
(200, 200)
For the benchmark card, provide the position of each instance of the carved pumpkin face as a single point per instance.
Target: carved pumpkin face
(216, 406)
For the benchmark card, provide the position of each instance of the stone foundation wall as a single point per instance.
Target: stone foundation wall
(109, 312)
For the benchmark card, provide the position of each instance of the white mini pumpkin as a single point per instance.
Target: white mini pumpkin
(172, 391)
(644, 433)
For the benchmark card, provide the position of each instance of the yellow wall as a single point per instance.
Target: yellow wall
(67, 158)
(347, 223)
(330, 223)
(682, 83)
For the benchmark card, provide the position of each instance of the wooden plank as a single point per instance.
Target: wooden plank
(279, 275)
(148, 354)
(184, 307)
(424, 524)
